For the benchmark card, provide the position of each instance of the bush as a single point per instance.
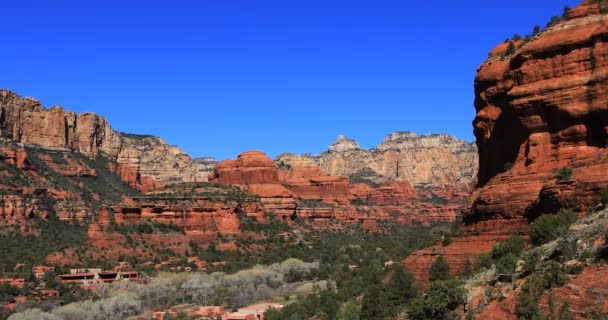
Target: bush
(442, 298)
(527, 308)
(566, 249)
(604, 198)
(484, 261)
(506, 265)
(400, 290)
(440, 270)
(549, 227)
(563, 174)
(514, 245)
(510, 49)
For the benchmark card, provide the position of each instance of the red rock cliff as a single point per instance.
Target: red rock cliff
(144, 162)
(542, 108)
(296, 187)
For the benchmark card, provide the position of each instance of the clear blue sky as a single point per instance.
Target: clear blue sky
(218, 77)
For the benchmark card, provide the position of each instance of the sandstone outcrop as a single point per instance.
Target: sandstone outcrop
(426, 161)
(145, 162)
(295, 187)
(39, 183)
(543, 108)
(195, 213)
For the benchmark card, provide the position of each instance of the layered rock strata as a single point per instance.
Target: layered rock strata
(145, 162)
(542, 133)
(426, 161)
(299, 188)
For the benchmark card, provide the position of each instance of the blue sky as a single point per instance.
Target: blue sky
(218, 77)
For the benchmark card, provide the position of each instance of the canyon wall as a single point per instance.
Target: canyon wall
(145, 162)
(295, 187)
(542, 112)
(543, 108)
(426, 161)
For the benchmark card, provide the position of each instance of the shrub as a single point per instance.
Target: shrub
(514, 245)
(484, 261)
(526, 307)
(604, 198)
(566, 249)
(564, 312)
(400, 289)
(549, 227)
(442, 298)
(506, 264)
(536, 30)
(563, 174)
(447, 240)
(567, 10)
(440, 270)
(374, 304)
(510, 49)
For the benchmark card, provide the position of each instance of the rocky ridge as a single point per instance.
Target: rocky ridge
(300, 189)
(145, 162)
(426, 161)
(541, 129)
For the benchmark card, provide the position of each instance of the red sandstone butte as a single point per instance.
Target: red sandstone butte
(302, 189)
(543, 108)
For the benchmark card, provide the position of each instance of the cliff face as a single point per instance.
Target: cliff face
(434, 160)
(296, 187)
(144, 162)
(543, 108)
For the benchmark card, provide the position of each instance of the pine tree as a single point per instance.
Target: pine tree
(400, 289)
(440, 270)
(374, 306)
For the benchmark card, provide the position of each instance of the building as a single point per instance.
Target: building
(258, 310)
(123, 266)
(89, 277)
(39, 271)
(191, 310)
(238, 316)
(17, 282)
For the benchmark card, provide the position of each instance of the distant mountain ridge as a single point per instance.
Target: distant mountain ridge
(438, 160)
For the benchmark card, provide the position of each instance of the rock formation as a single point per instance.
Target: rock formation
(198, 213)
(295, 186)
(426, 161)
(145, 162)
(541, 109)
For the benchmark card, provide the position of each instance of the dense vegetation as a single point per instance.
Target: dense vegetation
(53, 235)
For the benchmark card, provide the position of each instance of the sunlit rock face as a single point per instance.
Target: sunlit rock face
(145, 162)
(543, 108)
(426, 161)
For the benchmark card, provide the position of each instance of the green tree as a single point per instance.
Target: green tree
(400, 289)
(566, 12)
(349, 311)
(510, 49)
(514, 245)
(374, 306)
(604, 197)
(536, 30)
(549, 227)
(563, 174)
(527, 308)
(444, 296)
(440, 270)
(564, 312)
